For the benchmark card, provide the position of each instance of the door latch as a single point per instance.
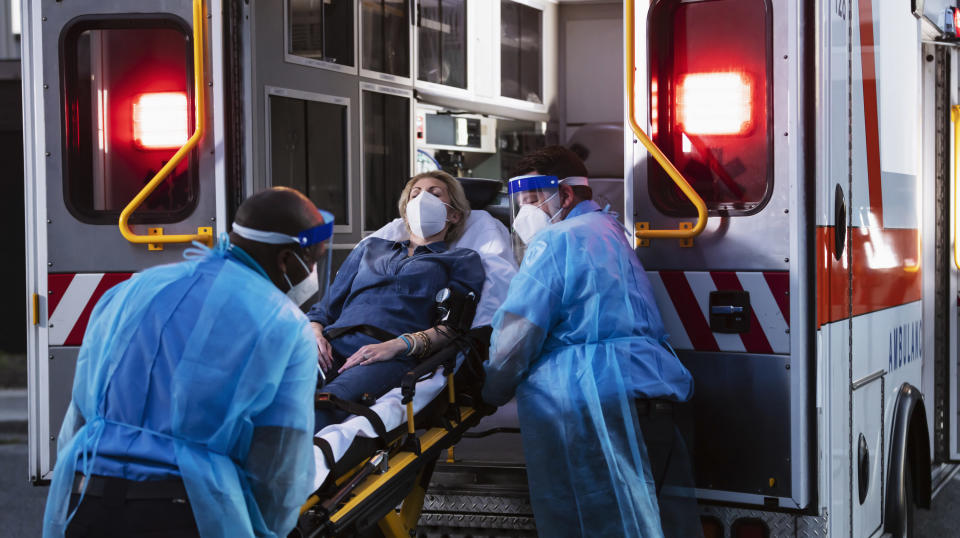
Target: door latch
(729, 311)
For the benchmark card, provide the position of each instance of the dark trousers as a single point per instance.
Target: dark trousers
(373, 380)
(113, 515)
(663, 425)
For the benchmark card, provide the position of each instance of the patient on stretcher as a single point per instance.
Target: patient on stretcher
(376, 319)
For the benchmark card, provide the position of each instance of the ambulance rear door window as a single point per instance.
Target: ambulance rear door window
(128, 107)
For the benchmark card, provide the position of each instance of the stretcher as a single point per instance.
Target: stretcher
(379, 459)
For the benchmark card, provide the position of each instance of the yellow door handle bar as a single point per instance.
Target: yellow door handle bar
(204, 235)
(675, 175)
(955, 119)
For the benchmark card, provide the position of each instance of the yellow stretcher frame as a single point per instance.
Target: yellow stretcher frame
(409, 452)
(204, 234)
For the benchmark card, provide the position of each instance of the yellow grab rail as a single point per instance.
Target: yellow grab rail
(955, 118)
(684, 232)
(204, 235)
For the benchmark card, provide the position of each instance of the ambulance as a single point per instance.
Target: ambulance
(787, 169)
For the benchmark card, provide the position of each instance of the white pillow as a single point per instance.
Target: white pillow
(489, 238)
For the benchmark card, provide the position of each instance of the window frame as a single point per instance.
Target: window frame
(468, 55)
(767, 89)
(320, 98)
(513, 101)
(292, 58)
(66, 51)
(411, 64)
(398, 92)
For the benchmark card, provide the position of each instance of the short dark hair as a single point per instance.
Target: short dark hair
(552, 161)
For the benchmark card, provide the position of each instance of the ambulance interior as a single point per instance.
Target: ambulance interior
(479, 143)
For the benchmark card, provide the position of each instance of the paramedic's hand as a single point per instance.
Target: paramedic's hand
(324, 353)
(371, 353)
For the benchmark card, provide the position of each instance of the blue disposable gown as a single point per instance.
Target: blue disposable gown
(579, 338)
(208, 359)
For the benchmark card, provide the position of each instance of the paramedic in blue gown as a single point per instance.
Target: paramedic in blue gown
(192, 406)
(578, 341)
(376, 320)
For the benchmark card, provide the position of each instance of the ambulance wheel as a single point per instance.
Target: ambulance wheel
(909, 501)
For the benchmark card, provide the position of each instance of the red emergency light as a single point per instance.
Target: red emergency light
(160, 120)
(714, 103)
(711, 90)
(956, 22)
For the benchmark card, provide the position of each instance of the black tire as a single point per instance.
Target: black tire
(909, 501)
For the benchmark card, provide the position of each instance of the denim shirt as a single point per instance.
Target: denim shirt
(380, 285)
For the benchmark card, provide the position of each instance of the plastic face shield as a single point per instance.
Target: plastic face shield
(314, 243)
(534, 205)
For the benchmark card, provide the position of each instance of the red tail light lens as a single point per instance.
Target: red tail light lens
(749, 528)
(160, 120)
(710, 103)
(712, 528)
(714, 103)
(956, 22)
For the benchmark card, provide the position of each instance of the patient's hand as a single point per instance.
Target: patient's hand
(324, 353)
(371, 353)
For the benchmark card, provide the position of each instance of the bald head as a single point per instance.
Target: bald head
(278, 209)
(283, 210)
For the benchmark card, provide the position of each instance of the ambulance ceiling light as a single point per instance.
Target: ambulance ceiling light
(160, 120)
(718, 103)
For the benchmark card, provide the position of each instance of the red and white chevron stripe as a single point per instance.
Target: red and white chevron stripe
(70, 301)
(684, 301)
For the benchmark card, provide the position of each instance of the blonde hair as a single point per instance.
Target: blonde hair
(458, 199)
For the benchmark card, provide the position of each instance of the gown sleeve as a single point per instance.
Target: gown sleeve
(521, 325)
(279, 465)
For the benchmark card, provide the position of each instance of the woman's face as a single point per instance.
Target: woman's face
(432, 185)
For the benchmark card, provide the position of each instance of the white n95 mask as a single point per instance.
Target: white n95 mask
(306, 288)
(530, 219)
(426, 215)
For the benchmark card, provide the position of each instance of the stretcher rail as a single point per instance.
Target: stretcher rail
(368, 493)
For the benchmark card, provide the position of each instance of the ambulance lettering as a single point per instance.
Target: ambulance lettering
(906, 344)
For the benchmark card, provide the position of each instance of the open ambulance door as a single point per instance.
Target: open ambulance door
(113, 92)
(946, 373)
(941, 119)
(721, 236)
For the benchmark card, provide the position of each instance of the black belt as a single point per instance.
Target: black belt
(110, 486)
(654, 407)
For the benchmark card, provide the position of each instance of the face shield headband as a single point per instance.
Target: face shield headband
(530, 183)
(310, 236)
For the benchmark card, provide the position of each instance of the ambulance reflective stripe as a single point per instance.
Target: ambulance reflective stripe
(71, 300)
(684, 301)
(883, 246)
(879, 278)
